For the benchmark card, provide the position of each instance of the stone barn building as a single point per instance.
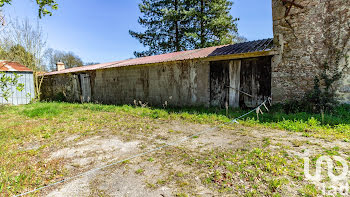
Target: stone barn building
(307, 34)
(197, 77)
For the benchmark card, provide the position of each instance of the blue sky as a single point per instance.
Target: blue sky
(97, 30)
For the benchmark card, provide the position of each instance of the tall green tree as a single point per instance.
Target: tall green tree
(163, 20)
(176, 25)
(18, 53)
(211, 23)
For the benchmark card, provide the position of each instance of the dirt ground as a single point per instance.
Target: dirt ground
(148, 175)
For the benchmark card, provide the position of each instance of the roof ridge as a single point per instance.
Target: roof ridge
(189, 53)
(229, 49)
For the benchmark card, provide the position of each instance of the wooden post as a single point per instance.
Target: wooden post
(235, 78)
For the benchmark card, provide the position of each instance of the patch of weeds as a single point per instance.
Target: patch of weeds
(82, 119)
(151, 159)
(332, 151)
(249, 169)
(161, 181)
(97, 192)
(179, 174)
(180, 183)
(275, 184)
(296, 176)
(150, 185)
(174, 131)
(253, 193)
(309, 190)
(46, 135)
(126, 162)
(139, 171)
(306, 134)
(266, 141)
(162, 137)
(142, 146)
(297, 143)
(181, 195)
(276, 195)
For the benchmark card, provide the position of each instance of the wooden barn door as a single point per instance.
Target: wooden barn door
(219, 82)
(255, 81)
(225, 83)
(85, 87)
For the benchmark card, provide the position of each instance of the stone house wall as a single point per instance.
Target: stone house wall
(302, 39)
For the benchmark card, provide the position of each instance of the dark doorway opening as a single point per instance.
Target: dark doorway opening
(241, 83)
(219, 80)
(255, 80)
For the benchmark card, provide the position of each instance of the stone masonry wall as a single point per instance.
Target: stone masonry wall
(303, 39)
(343, 90)
(64, 87)
(177, 84)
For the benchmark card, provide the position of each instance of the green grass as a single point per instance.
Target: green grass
(260, 171)
(309, 191)
(43, 111)
(335, 125)
(339, 118)
(47, 124)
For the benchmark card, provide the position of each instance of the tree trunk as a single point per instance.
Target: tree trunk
(177, 37)
(202, 39)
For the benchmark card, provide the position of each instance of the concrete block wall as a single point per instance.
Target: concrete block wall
(301, 40)
(182, 83)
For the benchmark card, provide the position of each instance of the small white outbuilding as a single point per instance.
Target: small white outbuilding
(26, 78)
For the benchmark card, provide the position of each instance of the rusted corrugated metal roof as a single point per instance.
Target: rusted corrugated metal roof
(13, 66)
(83, 68)
(245, 47)
(240, 48)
